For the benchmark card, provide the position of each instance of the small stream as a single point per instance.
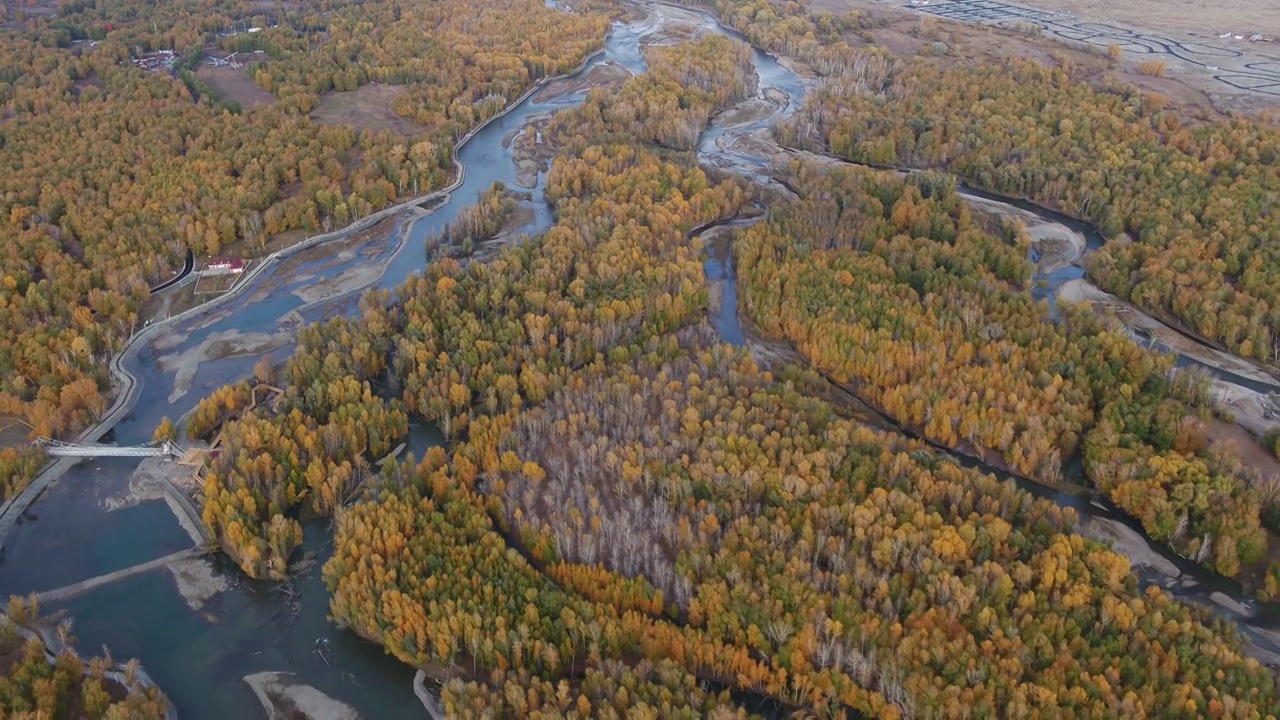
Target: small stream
(1194, 583)
(199, 655)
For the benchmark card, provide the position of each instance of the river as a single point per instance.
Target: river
(199, 656)
(1180, 577)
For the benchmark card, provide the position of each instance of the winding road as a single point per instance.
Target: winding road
(186, 270)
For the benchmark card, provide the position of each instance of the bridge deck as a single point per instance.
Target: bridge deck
(57, 448)
(103, 451)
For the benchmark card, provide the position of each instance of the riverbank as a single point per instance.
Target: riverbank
(119, 680)
(244, 640)
(261, 302)
(603, 75)
(286, 698)
(1056, 245)
(126, 386)
(1058, 248)
(752, 110)
(1082, 290)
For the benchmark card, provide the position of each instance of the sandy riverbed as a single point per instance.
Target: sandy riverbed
(675, 25)
(349, 280)
(605, 75)
(1084, 291)
(197, 581)
(530, 153)
(752, 109)
(218, 346)
(1129, 543)
(286, 698)
(1250, 407)
(359, 275)
(1059, 246)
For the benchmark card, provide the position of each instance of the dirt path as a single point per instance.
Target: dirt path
(69, 591)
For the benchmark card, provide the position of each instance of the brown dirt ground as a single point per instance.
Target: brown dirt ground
(367, 242)
(898, 42)
(1234, 439)
(43, 10)
(1177, 91)
(1207, 18)
(235, 84)
(366, 108)
(752, 109)
(93, 81)
(606, 75)
(240, 248)
(906, 33)
(184, 298)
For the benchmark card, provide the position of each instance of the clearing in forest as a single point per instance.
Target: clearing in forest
(365, 108)
(235, 84)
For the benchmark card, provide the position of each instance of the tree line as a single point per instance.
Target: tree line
(683, 508)
(632, 517)
(897, 289)
(50, 679)
(114, 172)
(1185, 204)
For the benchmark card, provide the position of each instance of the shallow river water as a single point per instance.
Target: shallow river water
(199, 656)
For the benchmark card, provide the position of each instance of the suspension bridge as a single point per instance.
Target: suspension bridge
(164, 448)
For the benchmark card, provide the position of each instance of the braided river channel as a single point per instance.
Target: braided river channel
(199, 646)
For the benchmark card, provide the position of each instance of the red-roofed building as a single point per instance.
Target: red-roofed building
(221, 265)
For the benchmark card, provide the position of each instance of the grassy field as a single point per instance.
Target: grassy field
(235, 84)
(367, 108)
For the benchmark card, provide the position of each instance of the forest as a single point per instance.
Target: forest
(615, 269)
(895, 288)
(115, 172)
(17, 467)
(670, 104)
(630, 517)
(753, 538)
(480, 222)
(1186, 204)
(37, 682)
